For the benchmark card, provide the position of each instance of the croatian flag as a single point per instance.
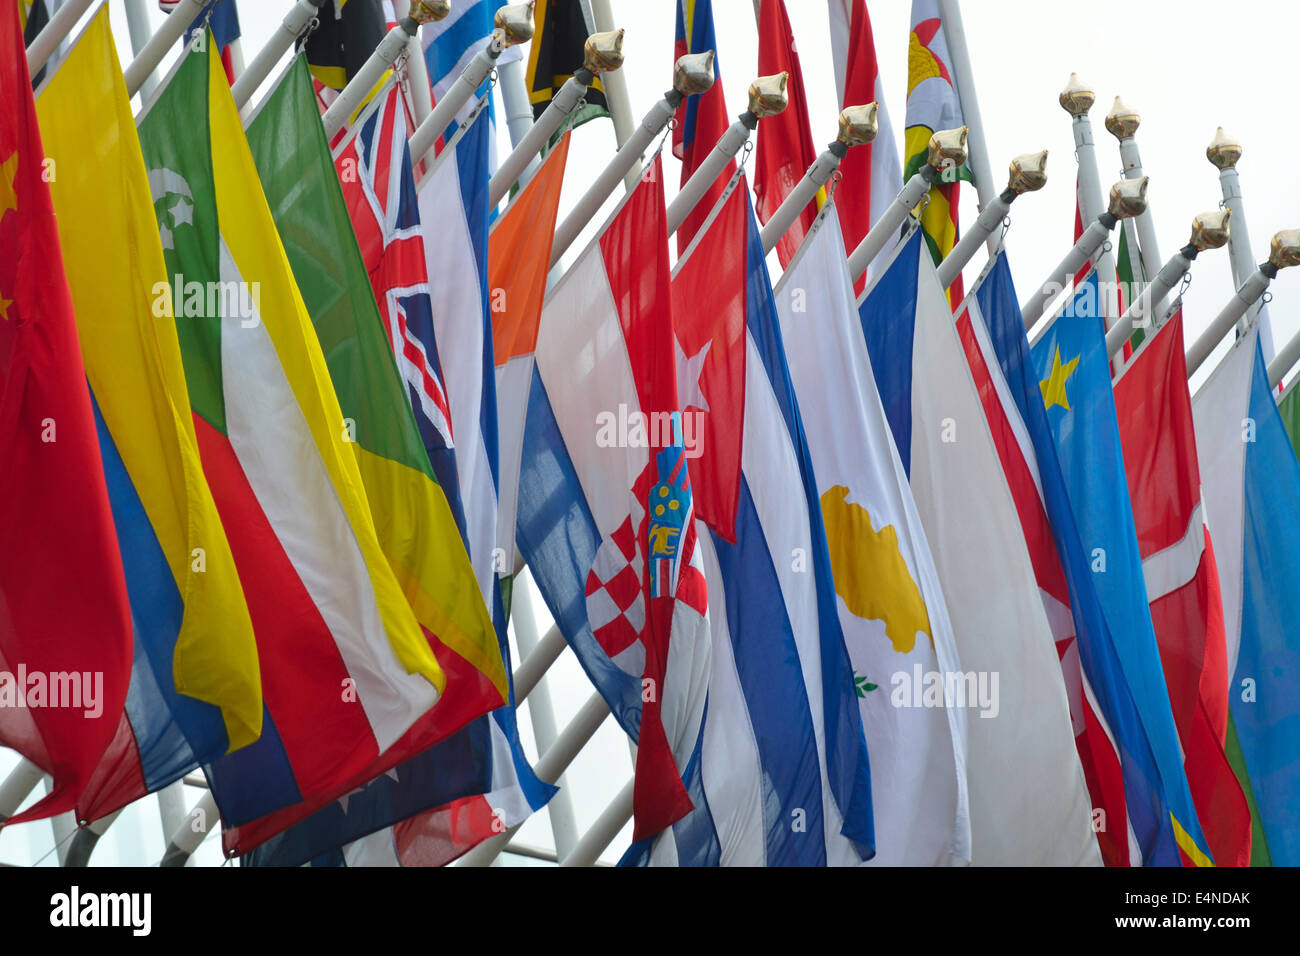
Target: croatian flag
(1029, 804)
(780, 774)
(606, 516)
(1252, 500)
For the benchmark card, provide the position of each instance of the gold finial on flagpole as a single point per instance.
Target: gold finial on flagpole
(1122, 121)
(1076, 99)
(426, 11)
(693, 73)
(1284, 250)
(514, 24)
(947, 149)
(1128, 198)
(603, 52)
(1210, 229)
(767, 95)
(1223, 151)
(858, 124)
(1028, 173)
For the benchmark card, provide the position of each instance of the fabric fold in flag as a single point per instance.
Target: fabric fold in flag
(891, 605)
(1154, 410)
(782, 737)
(1252, 496)
(196, 690)
(1029, 803)
(54, 500)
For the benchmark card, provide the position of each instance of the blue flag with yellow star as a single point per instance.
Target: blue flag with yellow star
(1074, 383)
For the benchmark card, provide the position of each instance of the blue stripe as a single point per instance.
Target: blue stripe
(169, 729)
(557, 536)
(701, 40)
(442, 55)
(254, 780)
(847, 764)
(1143, 790)
(888, 317)
(1268, 726)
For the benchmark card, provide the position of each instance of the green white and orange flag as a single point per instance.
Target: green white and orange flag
(933, 104)
(350, 678)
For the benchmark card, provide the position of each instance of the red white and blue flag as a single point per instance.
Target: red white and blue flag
(222, 17)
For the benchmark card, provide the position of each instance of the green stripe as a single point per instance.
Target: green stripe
(306, 200)
(1130, 267)
(176, 142)
(1259, 855)
(1290, 409)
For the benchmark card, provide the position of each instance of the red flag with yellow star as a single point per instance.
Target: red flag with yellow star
(65, 624)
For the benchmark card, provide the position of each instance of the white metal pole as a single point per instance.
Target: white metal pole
(171, 806)
(978, 160)
(60, 25)
(607, 826)
(1028, 174)
(947, 149)
(537, 663)
(466, 85)
(285, 35)
(857, 127)
(1283, 361)
(87, 838)
(164, 39)
(1224, 153)
(514, 99)
(351, 96)
(620, 105)
(1246, 295)
(22, 780)
(186, 838)
(137, 24)
(1122, 122)
(1138, 314)
(417, 76)
(564, 826)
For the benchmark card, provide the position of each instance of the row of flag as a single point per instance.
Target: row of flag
(290, 438)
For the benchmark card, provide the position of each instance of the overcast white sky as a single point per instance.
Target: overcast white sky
(1186, 67)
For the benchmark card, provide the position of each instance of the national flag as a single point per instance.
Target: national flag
(785, 143)
(222, 18)
(871, 175)
(304, 193)
(195, 690)
(560, 29)
(1029, 804)
(992, 334)
(604, 348)
(374, 168)
(350, 676)
(1073, 369)
(1154, 410)
(347, 32)
(891, 604)
(782, 738)
(450, 43)
(1252, 497)
(700, 120)
(54, 502)
(933, 104)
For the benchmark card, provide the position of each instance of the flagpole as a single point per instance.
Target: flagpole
(602, 833)
(172, 29)
(977, 149)
(1128, 197)
(1284, 251)
(87, 837)
(291, 27)
(857, 127)
(137, 24)
(58, 27)
(22, 780)
(1122, 122)
(946, 150)
(185, 839)
(692, 74)
(1210, 230)
(767, 97)
(513, 25)
(1028, 174)
(385, 55)
(602, 53)
(620, 105)
(1224, 152)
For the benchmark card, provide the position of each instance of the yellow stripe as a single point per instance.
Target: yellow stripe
(1188, 845)
(419, 537)
(133, 361)
(249, 231)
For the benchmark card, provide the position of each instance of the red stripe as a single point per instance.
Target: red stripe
(853, 195)
(119, 778)
(437, 837)
(382, 149)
